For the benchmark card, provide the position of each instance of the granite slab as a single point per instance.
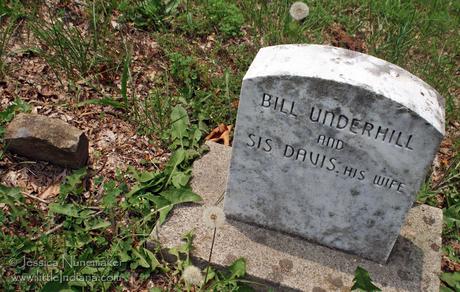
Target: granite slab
(290, 263)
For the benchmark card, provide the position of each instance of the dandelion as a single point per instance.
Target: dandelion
(192, 275)
(214, 217)
(299, 10)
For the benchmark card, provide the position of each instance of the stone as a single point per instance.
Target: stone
(42, 138)
(331, 145)
(291, 263)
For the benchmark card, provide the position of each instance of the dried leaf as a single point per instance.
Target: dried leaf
(50, 192)
(220, 133)
(226, 136)
(213, 133)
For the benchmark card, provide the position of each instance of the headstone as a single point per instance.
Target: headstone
(331, 145)
(42, 138)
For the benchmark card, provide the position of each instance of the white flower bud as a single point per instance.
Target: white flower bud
(192, 275)
(213, 217)
(299, 10)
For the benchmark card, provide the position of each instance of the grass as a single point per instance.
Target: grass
(9, 20)
(80, 55)
(205, 48)
(6, 31)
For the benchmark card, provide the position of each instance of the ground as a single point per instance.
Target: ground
(126, 72)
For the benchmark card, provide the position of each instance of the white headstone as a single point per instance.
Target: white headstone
(331, 145)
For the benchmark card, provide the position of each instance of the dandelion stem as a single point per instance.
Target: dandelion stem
(210, 255)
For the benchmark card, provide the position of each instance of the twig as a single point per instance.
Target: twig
(220, 199)
(443, 179)
(95, 208)
(100, 169)
(55, 228)
(35, 198)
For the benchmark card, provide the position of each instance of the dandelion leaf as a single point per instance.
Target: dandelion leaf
(363, 282)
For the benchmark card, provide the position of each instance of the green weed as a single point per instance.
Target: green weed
(184, 69)
(67, 49)
(109, 229)
(449, 188)
(271, 23)
(200, 18)
(363, 282)
(148, 14)
(10, 112)
(452, 281)
(153, 114)
(197, 82)
(225, 16)
(10, 13)
(6, 31)
(13, 9)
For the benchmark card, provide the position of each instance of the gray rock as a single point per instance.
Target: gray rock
(331, 145)
(41, 138)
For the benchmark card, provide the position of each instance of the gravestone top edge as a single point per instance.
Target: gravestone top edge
(353, 68)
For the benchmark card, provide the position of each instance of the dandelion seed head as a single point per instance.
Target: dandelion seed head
(192, 275)
(299, 10)
(213, 217)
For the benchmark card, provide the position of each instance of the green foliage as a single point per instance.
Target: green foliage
(448, 186)
(111, 193)
(226, 16)
(363, 282)
(154, 112)
(221, 16)
(6, 31)
(230, 280)
(185, 71)
(426, 195)
(13, 198)
(73, 184)
(124, 80)
(67, 49)
(115, 227)
(10, 112)
(148, 14)
(184, 134)
(11, 12)
(163, 190)
(17, 215)
(208, 97)
(271, 23)
(412, 34)
(103, 101)
(85, 231)
(451, 280)
(13, 9)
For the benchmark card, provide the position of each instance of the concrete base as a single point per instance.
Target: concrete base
(289, 263)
